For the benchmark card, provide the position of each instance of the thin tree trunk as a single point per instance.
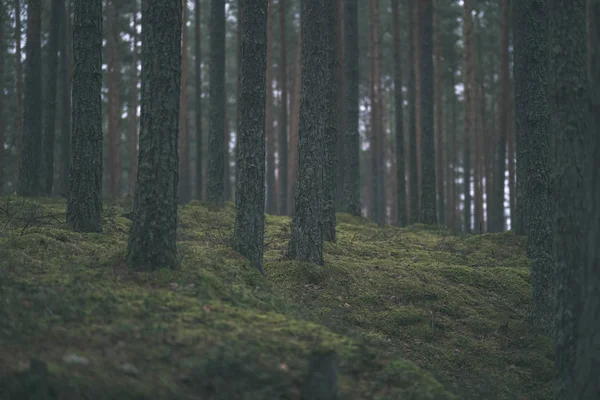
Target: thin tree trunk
(511, 148)
(454, 197)
(198, 92)
(412, 112)
(18, 92)
(2, 161)
(133, 105)
(66, 73)
(269, 130)
(185, 179)
(294, 124)
(341, 129)
(283, 117)
(402, 219)
(84, 206)
(112, 82)
(468, 105)
(439, 117)
(478, 111)
(418, 119)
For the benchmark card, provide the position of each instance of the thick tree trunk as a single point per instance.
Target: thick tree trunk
(428, 162)
(215, 191)
(439, 118)
(152, 240)
(198, 98)
(18, 92)
(569, 119)
(269, 130)
(352, 203)
(399, 118)
(283, 116)
(250, 193)
(84, 207)
(306, 243)
(468, 73)
(412, 116)
(185, 178)
(133, 105)
(66, 72)
(31, 165)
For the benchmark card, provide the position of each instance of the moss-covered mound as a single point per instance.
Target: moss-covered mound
(411, 313)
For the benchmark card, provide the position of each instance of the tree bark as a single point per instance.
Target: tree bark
(215, 192)
(84, 206)
(412, 116)
(185, 178)
(569, 116)
(66, 68)
(270, 134)
(18, 92)
(468, 73)
(294, 124)
(133, 105)
(2, 160)
(283, 117)
(152, 239)
(439, 117)
(250, 161)
(341, 129)
(198, 92)
(113, 79)
(31, 166)
(399, 118)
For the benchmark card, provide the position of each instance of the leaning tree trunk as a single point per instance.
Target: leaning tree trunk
(31, 164)
(152, 240)
(569, 118)
(249, 229)
(84, 207)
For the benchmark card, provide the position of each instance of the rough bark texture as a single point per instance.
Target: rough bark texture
(306, 243)
(250, 156)
(531, 68)
(351, 136)
(341, 129)
(66, 67)
(468, 73)
(588, 357)
(198, 98)
(439, 117)
(31, 165)
(185, 177)
(152, 240)
(283, 116)
(330, 86)
(428, 209)
(18, 91)
(569, 118)
(51, 87)
(399, 118)
(84, 207)
(215, 191)
(413, 180)
(133, 105)
(113, 78)
(294, 122)
(269, 130)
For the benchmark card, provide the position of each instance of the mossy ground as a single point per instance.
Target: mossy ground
(413, 313)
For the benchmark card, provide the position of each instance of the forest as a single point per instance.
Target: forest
(300, 199)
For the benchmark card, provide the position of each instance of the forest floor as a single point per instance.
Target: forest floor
(413, 313)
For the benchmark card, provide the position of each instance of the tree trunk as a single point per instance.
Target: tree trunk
(439, 117)
(341, 129)
(351, 157)
(84, 207)
(270, 134)
(152, 239)
(283, 117)
(569, 116)
(113, 78)
(215, 192)
(511, 148)
(454, 196)
(478, 110)
(412, 116)
(18, 92)
(468, 106)
(31, 168)
(2, 14)
(133, 120)
(306, 243)
(185, 179)
(428, 162)
(294, 124)
(198, 92)
(250, 193)
(399, 118)
(66, 35)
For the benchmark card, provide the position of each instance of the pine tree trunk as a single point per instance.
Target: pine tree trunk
(468, 106)
(569, 119)
(428, 161)
(283, 117)
(113, 112)
(84, 206)
(18, 92)
(413, 180)
(341, 129)
(215, 192)
(66, 72)
(306, 243)
(416, 61)
(31, 166)
(198, 92)
(439, 118)
(454, 191)
(133, 105)
(399, 118)
(250, 193)
(294, 124)
(152, 239)
(2, 161)
(478, 110)
(511, 158)
(352, 203)
(269, 130)
(185, 179)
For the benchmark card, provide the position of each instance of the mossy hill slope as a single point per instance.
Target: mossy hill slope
(412, 313)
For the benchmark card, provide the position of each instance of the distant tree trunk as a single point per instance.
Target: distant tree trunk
(152, 239)
(283, 117)
(250, 193)
(113, 77)
(185, 178)
(18, 92)
(478, 111)
(84, 206)
(399, 117)
(2, 14)
(519, 213)
(198, 92)
(341, 129)
(569, 119)
(66, 34)
(31, 166)
(330, 118)
(428, 162)
(416, 61)
(306, 243)
(294, 124)
(412, 116)
(352, 203)
(271, 206)
(454, 192)
(133, 121)
(215, 192)
(439, 117)
(50, 111)
(227, 172)
(511, 156)
(468, 73)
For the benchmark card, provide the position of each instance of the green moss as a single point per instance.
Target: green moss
(413, 313)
